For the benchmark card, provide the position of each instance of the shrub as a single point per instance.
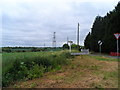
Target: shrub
(29, 65)
(36, 71)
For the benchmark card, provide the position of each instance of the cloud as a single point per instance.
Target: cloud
(32, 22)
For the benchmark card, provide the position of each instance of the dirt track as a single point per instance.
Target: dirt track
(83, 72)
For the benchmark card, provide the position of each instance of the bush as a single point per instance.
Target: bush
(36, 71)
(65, 46)
(31, 65)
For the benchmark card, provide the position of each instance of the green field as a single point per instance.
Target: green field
(29, 65)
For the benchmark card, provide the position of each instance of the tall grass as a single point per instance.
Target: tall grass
(29, 65)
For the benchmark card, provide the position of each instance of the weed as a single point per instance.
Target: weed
(33, 85)
(94, 67)
(96, 85)
(73, 66)
(16, 86)
(35, 72)
(29, 65)
(101, 58)
(108, 75)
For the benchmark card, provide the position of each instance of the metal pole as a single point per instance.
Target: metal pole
(100, 49)
(118, 62)
(70, 47)
(78, 35)
(117, 49)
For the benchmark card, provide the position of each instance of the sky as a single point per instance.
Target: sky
(32, 22)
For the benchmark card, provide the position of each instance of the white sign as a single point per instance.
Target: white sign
(70, 44)
(100, 42)
(117, 35)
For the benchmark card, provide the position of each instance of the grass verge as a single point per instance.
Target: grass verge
(103, 58)
(29, 65)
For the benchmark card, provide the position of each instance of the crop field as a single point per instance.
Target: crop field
(29, 65)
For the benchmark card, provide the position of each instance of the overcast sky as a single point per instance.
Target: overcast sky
(32, 22)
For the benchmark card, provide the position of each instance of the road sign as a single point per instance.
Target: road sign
(100, 42)
(117, 35)
(70, 44)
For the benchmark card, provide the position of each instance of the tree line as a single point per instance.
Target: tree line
(103, 29)
(29, 49)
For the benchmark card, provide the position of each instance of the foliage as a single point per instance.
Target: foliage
(103, 29)
(29, 49)
(74, 46)
(87, 41)
(36, 71)
(65, 46)
(29, 65)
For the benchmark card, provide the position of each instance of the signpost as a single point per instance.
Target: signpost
(70, 44)
(117, 35)
(100, 43)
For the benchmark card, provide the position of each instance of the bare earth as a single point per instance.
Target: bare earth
(82, 72)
